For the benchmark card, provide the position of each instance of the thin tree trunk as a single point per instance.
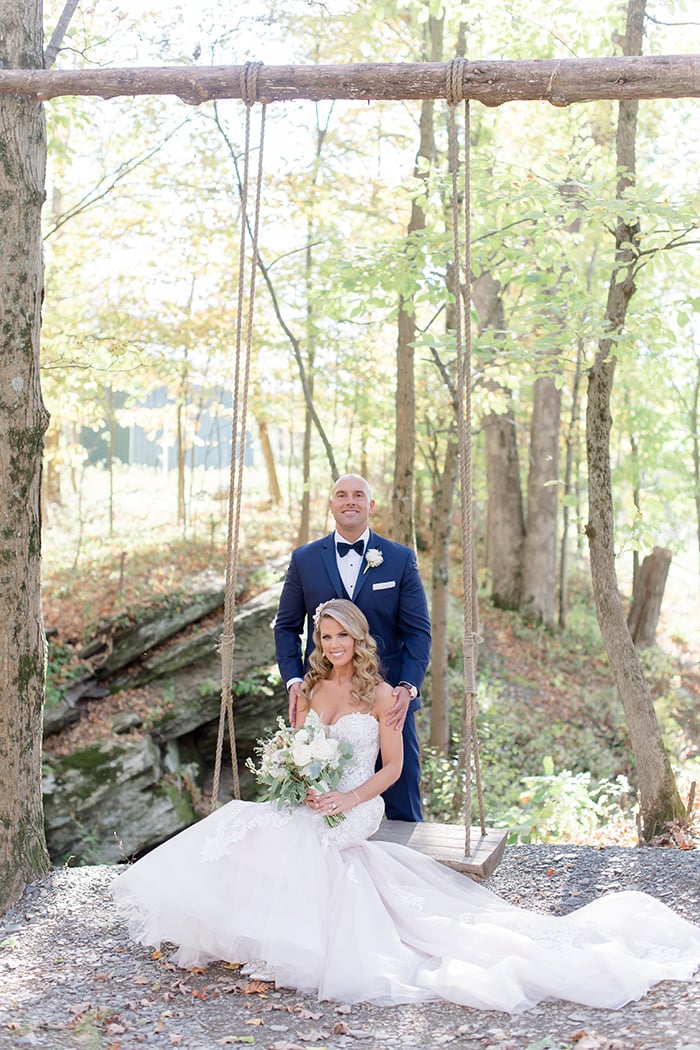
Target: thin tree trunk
(295, 343)
(273, 485)
(111, 435)
(304, 530)
(659, 798)
(23, 422)
(405, 451)
(505, 523)
(181, 453)
(695, 439)
(539, 558)
(443, 497)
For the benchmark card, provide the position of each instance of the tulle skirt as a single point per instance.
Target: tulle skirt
(377, 922)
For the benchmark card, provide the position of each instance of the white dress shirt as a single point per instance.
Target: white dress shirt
(349, 566)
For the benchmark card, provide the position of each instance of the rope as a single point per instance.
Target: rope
(226, 646)
(454, 93)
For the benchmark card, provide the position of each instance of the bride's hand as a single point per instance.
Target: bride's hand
(313, 799)
(332, 802)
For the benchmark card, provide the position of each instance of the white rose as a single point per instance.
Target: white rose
(323, 749)
(301, 754)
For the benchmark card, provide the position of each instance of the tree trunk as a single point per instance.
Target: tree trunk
(273, 485)
(695, 440)
(23, 421)
(648, 594)
(443, 497)
(181, 455)
(659, 798)
(403, 529)
(404, 457)
(505, 524)
(539, 558)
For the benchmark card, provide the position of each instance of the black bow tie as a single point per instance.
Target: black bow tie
(343, 548)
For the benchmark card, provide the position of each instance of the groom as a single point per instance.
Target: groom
(381, 578)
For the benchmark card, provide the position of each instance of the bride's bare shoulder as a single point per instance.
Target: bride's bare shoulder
(383, 699)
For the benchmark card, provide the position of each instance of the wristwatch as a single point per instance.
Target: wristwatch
(412, 691)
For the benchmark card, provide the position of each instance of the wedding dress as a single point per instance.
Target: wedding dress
(354, 920)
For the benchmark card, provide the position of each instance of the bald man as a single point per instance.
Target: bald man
(382, 578)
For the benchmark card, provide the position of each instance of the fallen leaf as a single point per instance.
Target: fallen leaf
(79, 1008)
(256, 988)
(255, 1020)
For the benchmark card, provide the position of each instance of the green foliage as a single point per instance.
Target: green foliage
(442, 785)
(61, 670)
(555, 807)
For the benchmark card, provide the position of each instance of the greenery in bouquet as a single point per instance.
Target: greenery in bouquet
(293, 760)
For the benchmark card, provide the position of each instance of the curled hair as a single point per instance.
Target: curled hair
(365, 672)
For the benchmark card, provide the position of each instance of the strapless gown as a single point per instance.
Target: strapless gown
(354, 920)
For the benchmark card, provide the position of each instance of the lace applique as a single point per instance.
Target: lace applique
(237, 819)
(415, 901)
(361, 731)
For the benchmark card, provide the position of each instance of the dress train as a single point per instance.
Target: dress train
(360, 921)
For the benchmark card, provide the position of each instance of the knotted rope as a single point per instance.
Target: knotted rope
(249, 78)
(454, 93)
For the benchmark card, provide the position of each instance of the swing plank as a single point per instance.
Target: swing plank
(445, 843)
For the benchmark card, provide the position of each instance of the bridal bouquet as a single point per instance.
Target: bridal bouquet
(296, 759)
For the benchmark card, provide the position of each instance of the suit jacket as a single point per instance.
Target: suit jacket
(391, 596)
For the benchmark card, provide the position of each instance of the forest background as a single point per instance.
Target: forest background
(141, 242)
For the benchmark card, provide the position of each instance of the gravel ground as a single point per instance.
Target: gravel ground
(69, 977)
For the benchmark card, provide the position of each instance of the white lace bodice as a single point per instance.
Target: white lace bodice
(361, 731)
(234, 821)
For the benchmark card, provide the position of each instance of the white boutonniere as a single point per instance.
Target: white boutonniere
(373, 557)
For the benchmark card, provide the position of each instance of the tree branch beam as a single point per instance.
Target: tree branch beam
(559, 82)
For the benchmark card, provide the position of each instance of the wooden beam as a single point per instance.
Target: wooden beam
(557, 81)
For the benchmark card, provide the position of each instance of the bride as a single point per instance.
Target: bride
(326, 911)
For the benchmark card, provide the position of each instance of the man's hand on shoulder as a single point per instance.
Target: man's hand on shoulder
(396, 715)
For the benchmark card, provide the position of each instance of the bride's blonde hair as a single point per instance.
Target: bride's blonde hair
(365, 674)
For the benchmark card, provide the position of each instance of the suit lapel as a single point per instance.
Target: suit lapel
(361, 579)
(329, 560)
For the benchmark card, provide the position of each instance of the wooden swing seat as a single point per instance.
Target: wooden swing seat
(445, 843)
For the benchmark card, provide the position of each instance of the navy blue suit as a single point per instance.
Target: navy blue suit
(392, 597)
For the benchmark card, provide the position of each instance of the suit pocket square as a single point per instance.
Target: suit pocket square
(383, 586)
